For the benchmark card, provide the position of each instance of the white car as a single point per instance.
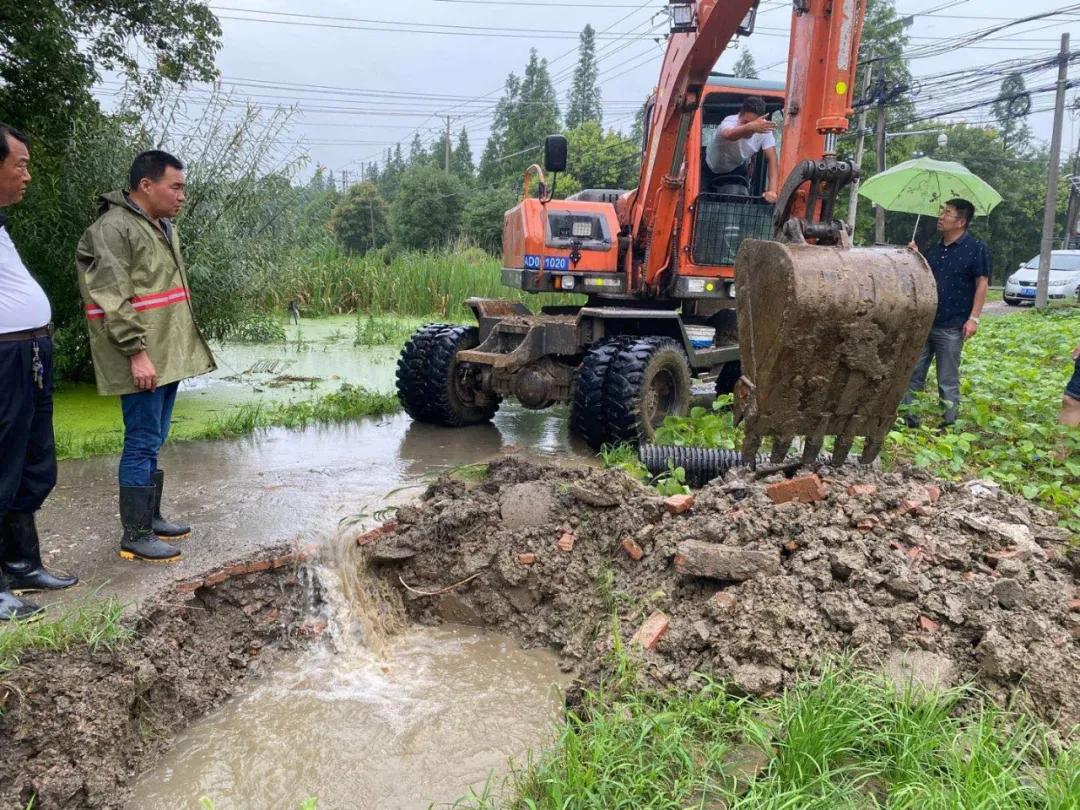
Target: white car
(1064, 278)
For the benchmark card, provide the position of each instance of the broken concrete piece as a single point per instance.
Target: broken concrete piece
(757, 679)
(919, 671)
(727, 563)
(526, 505)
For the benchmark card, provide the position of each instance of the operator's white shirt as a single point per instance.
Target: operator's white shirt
(23, 304)
(725, 156)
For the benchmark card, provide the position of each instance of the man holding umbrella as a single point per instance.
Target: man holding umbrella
(961, 267)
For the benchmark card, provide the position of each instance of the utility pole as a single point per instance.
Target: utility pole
(879, 146)
(1073, 213)
(344, 179)
(446, 164)
(853, 199)
(1043, 286)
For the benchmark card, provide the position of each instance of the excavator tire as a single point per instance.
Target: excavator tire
(411, 372)
(588, 418)
(451, 401)
(648, 380)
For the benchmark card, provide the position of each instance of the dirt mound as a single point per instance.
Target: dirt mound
(755, 581)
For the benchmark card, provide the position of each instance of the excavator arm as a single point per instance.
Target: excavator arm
(828, 334)
(821, 71)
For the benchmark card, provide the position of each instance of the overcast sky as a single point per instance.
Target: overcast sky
(460, 74)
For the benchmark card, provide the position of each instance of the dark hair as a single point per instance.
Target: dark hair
(965, 209)
(151, 165)
(753, 104)
(5, 133)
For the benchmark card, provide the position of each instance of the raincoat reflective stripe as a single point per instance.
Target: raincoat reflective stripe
(143, 302)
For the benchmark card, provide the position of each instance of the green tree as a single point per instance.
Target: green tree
(360, 220)
(744, 66)
(391, 172)
(1013, 127)
(603, 160)
(482, 219)
(52, 52)
(427, 210)
(418, 155)
(461, 160)
(583, 101)
(492, 164)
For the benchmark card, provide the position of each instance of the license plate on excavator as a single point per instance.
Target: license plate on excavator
(829, 337)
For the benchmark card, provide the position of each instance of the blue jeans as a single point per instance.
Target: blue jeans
(147, 417)
(944, 346)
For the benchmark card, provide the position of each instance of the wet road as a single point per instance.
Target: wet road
(277, 485)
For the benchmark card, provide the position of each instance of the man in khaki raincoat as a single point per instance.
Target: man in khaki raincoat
(143, 336)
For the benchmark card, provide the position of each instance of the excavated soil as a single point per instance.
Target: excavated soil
(934, 582)
(78, 726)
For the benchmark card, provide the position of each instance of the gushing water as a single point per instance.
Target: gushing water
(376, 718)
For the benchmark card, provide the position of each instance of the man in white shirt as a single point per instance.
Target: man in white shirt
(27, 449)
(739, 138)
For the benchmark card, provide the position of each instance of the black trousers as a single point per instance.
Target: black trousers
(27, 447)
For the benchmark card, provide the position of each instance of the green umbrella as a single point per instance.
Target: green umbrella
(922, 186)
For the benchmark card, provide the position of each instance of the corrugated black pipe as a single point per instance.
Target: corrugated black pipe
(701, 464)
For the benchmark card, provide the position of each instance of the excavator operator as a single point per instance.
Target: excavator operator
(738, 139)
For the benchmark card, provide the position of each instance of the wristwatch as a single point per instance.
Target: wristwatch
(973, 318)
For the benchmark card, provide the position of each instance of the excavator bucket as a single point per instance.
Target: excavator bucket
(829, 337)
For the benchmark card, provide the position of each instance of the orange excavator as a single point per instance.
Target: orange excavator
(698, 278)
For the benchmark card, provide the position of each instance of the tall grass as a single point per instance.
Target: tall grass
(327, 280)
(844, 740)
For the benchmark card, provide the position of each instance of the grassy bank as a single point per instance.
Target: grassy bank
(844, 740)
(1012, 378)
(91, 622)
(326, 280)
(87, 424)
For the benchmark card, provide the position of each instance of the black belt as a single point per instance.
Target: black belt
(27, 334)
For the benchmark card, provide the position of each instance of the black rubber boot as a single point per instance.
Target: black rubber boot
(14, 609)
(22, 557)
(137, 517)
(163, 528)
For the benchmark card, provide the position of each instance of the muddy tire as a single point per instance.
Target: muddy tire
(588, 418)
(648, 380)
(452, 400)
(412, 378)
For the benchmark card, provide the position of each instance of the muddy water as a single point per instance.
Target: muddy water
(441, 711)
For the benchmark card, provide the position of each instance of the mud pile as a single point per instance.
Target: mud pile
(755, 581)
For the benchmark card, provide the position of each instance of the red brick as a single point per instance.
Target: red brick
(866, 524)
(722, 600)
(526, 558)
(189, 586)
(650, 633)
(566, 542)
(910, 506)
(257, 566)
(862, 490)
(1075, 604)
(237, 570)
(632, 549)
(677, 504)
(804, 489)
(969, 576)
(928, 625)
(313, 628)
(791, 546)
(933, 493)
(271, 615)
(215, 578)
(283, 560)
(308, 552)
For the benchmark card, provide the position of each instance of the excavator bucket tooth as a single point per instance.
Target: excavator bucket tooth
(828, 339)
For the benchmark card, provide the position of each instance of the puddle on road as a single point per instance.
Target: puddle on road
(440, 711)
